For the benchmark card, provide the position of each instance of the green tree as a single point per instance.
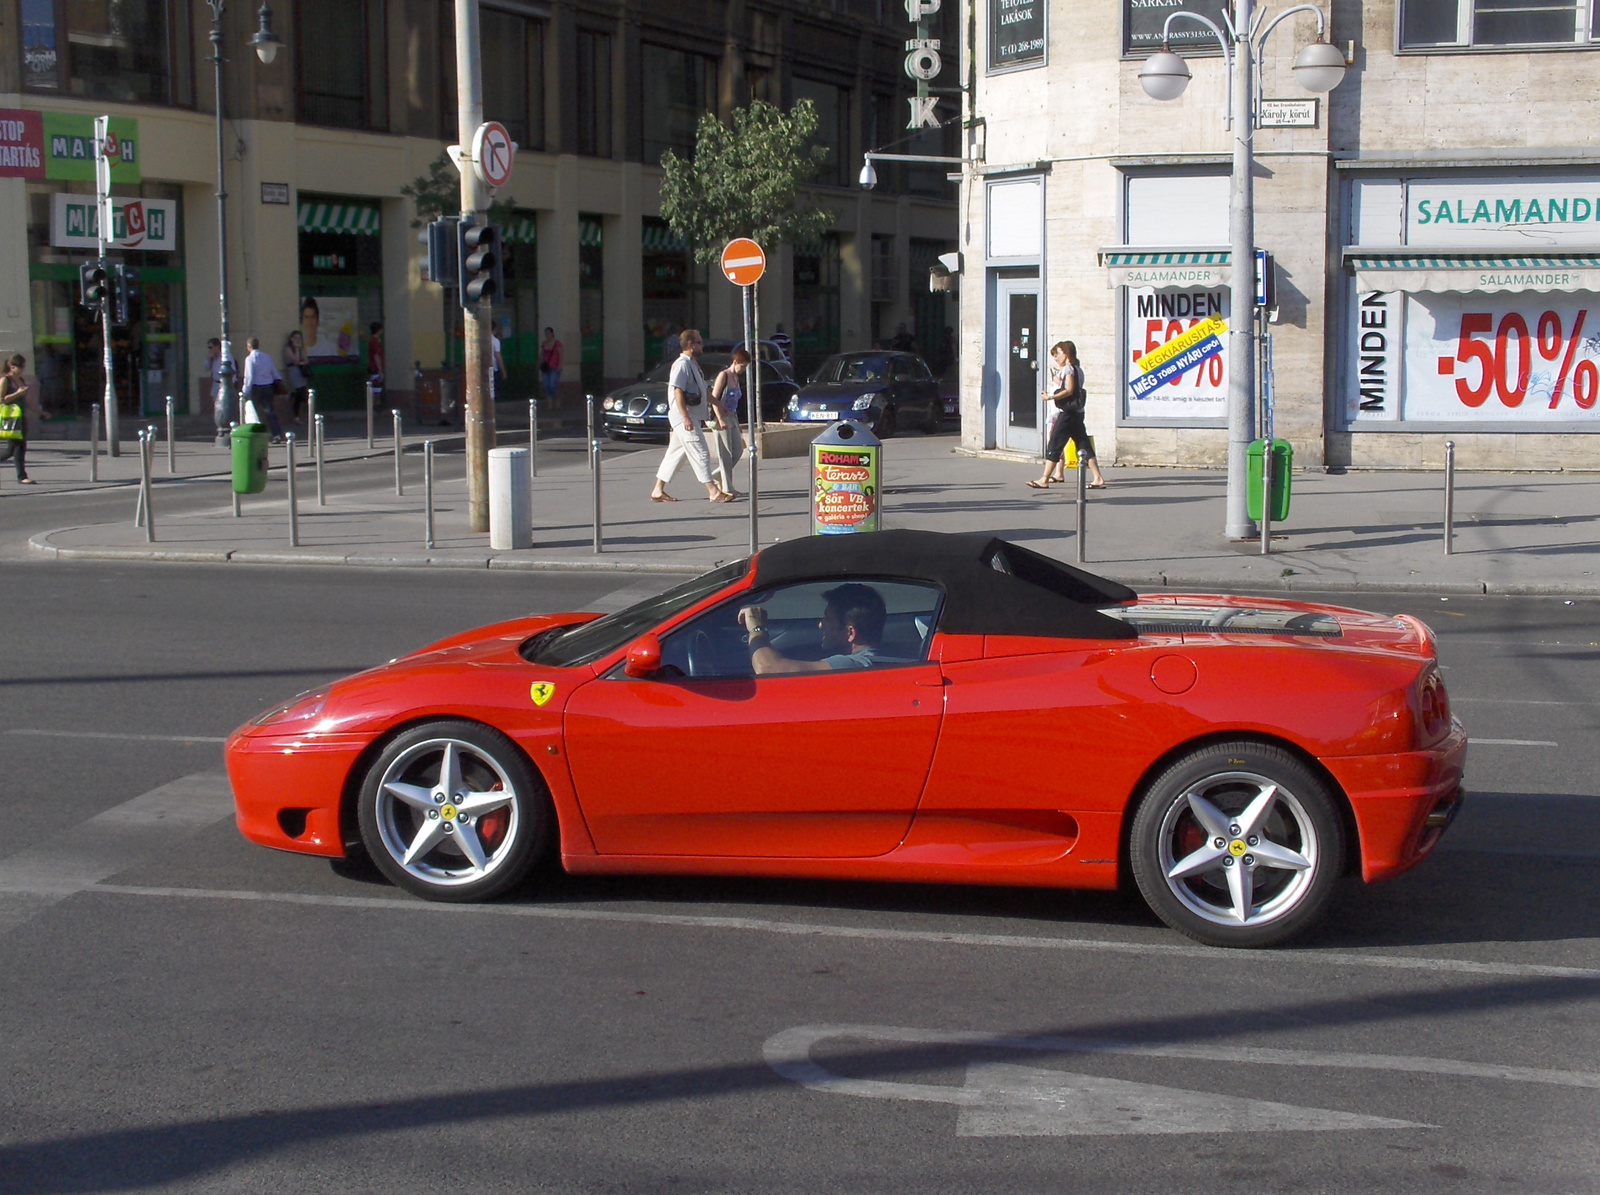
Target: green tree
(745, 180)
(437, 193)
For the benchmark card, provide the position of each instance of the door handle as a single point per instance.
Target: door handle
(932, 682)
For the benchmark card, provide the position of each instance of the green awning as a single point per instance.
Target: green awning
(589, 233)
(658, 238)
(359, 218)
(1163, 267)
(1412, 272)
(519, 230)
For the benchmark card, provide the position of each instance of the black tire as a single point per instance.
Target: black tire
(616, 435)
(1297, 824)
(404, 790)
(886, 421)
(935, 421)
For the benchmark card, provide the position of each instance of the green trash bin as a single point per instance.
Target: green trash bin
(249, 443)
(1282, 467)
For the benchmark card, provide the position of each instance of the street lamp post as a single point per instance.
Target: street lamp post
(1164, 76)
(266, 44)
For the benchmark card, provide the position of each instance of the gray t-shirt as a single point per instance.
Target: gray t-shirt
(686, 376)
(867, 657)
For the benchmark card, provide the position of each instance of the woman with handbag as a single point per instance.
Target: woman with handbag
(1066, 390)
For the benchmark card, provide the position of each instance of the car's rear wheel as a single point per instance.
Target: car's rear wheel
(1237, 844)
(452, 811)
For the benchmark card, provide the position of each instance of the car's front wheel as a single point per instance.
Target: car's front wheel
(452, 811)
(886, 422)
(934, 424)
(1237, 844)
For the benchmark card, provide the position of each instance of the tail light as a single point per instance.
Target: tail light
(1434, 703)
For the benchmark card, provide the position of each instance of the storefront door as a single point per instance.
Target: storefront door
(1021, 341)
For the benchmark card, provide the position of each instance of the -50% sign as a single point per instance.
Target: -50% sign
(1513, 360)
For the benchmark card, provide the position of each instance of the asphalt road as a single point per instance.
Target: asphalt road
(185, 1011)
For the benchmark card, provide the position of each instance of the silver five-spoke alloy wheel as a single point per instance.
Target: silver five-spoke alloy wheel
(446, 812)
(1238, 844)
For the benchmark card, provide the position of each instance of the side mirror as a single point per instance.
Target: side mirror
(644, 658)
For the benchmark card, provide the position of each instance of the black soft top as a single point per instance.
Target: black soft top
(991, 587)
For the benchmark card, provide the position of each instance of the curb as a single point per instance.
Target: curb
(1298, 584)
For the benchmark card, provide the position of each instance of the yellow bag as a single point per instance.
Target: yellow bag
(1071, 457)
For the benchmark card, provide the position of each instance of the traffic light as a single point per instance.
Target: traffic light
(478, 257)
(443, 262)
(93, 283)
(123, 279)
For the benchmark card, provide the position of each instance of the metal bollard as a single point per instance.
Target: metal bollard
(1449, 497)
(311, 421)
(427, 493)
(1266, 500)
(172, 447)
(533, 437)
(369, 415)
(1083, 505)
(236, 510)
(399, 483)
(588, 409)
(94, 442)
(594, 463)
(147, 443)
(294, 500)
(322, 495)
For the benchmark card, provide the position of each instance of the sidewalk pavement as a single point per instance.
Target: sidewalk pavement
(1515, 533)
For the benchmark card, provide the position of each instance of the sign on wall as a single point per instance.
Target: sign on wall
(60, 145)
(1532, 214)
(1156, 317)
(1525, 357)
(1016, 33)
(150, 225)
(328, 325)
(21, 144)
(1142, 21)
(1377, 345)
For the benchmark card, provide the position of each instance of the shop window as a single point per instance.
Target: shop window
(677, 88)
(816, 303)
(591, 303)
(512, 46)
(126, 51)
(342, 69)
(833, 115)
(674, 290)
(1497, 24)
(594, 94)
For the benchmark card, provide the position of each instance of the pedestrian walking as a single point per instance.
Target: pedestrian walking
(727, 392)
(686, 389)
(497, 366)
(262, 376)
(375, 356)
(1065, 389)
(296, 373)
(550, 364)
(14, 417)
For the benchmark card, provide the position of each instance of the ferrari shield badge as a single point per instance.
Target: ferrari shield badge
(541, 691)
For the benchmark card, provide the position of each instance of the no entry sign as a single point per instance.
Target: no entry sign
(493, 153)
(743, 262)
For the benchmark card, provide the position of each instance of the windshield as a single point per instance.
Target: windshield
(587, 642)
(711, 364)
(853, 367)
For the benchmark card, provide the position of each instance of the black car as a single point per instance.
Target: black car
(883, 390)
(770, 354)
(639, 411)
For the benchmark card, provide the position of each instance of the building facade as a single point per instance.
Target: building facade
(356, 106)
(1435, 223)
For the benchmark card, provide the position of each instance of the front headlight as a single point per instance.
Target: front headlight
(661, 408)
(609, 404)
(864, 403)
(301, 708)
(794, 403)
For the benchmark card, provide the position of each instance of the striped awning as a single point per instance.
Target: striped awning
(518, 229)
(1165, 268)
(657, 238)
(589, 232)
(359, 218)
(1408, 271)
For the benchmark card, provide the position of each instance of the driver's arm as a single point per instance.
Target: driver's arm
(765, 659)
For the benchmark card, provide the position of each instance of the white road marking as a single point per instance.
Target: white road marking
(1512, 743)
(1005, 1100)
(128, 738)
(1454, 700)
(1230, 958)
(79, 857)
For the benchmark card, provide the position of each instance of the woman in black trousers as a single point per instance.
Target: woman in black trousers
(1066, 390)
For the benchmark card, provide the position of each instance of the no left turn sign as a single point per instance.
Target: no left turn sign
(492, 153)
(743, 262)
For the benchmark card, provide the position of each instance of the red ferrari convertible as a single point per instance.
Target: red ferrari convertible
(898, 706)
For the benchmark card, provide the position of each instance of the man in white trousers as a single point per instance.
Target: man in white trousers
(686, 388)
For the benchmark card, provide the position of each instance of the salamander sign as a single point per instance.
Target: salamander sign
(1532, 214)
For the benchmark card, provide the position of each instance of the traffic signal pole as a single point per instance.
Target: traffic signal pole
(102, 179)
(477, 316)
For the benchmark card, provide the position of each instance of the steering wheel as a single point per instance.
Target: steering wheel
(702, 655)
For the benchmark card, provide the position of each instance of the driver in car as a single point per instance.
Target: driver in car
(852, 627)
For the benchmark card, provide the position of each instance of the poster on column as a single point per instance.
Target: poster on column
(329, 325)
(1521, 357)
(1154, 318)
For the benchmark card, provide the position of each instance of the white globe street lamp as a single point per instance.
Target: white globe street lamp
(1320, 67)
